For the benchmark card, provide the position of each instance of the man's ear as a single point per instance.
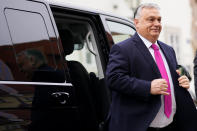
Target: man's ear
(136, 21)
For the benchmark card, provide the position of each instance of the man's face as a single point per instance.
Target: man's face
(149, 24)
(25, 65)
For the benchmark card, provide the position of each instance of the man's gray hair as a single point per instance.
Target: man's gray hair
(142, 6)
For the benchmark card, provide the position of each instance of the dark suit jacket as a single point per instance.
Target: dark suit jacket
(195, 72)
(130, 70)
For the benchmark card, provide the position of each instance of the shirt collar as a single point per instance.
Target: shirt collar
(147, 42)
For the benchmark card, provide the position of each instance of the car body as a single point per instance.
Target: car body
(67, 91)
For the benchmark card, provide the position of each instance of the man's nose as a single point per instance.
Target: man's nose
(157, 22)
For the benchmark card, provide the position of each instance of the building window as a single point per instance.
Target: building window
(172, 37)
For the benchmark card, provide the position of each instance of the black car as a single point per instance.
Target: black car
(52, 65)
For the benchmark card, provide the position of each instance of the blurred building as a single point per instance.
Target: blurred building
(133, 4)
(118, 7)
(193, 4)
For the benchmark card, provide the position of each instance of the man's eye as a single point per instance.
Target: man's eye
(150, 20)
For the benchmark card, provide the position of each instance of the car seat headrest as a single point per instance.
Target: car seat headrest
(67, 40)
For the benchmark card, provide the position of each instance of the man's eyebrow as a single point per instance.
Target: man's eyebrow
(154, 17)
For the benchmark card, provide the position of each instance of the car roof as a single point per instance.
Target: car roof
(71, 6)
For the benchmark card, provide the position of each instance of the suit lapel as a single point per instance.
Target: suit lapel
(147, 55)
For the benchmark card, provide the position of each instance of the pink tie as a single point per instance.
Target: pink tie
(160, 64)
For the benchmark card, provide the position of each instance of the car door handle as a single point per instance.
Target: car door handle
(62, 97)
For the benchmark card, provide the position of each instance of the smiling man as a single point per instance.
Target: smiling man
(147, 92)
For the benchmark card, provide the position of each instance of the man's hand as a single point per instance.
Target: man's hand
(183, 81)
(159, 87)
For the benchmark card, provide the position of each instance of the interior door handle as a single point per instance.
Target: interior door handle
(62, 97)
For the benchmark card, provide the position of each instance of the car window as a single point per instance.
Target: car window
(79, 45)
(34, 55)
(120, 31)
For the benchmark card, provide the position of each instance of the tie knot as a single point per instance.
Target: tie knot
(155, 47)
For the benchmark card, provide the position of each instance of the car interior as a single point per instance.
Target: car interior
(80, 50)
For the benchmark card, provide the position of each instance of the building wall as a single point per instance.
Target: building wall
(193, 4)
(118, 7)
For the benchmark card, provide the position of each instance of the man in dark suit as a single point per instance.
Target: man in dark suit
(148, 94)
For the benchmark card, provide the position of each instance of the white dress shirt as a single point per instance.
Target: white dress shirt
(161, 120)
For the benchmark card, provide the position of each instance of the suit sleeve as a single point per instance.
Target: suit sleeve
(120, 78)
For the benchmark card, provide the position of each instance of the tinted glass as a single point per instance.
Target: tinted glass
(34, 55)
